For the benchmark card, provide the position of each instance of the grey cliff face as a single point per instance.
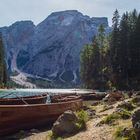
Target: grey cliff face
(16, 38)
(52, 48)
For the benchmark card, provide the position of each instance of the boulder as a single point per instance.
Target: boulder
(65, 124)
(136, 123)
(114, 96)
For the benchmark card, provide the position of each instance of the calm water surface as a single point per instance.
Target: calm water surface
(11, 93)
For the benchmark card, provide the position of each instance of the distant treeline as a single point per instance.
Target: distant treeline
(113, 61)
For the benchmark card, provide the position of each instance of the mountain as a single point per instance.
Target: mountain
(52, 48)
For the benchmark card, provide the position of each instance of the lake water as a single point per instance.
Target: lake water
(30, 92)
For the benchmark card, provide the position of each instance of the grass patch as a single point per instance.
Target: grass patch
(83, 117)
(122, 133)
(124, 114)
(110, 118)
(51, 136)
(105, 108)
(92, 107)
(127, 106)
(136, 100)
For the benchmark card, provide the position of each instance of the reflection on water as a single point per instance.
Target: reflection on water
(12, 93)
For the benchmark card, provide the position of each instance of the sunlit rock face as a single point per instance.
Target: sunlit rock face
(52, 48)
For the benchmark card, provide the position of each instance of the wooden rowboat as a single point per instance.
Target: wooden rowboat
(93, 96)
(39, 99)
(59, 98)
(21, 117)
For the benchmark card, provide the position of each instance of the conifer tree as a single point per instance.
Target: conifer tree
(3, 70)
(115, 47)
(90, 65)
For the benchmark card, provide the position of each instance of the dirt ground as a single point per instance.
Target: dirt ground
(93, 132)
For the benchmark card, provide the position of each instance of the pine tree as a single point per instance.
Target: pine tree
(135, 55)
(96, 65)
(90, 65)
(115, 48)
(123, 52)
(103, 48)
(3, 70)
(86, 66)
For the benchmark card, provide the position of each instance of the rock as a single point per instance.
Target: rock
(52, 48)
(65, 124)
(136, 123)
(91, 113)
(113, 96)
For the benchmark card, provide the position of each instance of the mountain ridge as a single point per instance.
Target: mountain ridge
(52, 48)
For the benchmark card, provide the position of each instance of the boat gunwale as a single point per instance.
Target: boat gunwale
(37, 105)
(25, 98)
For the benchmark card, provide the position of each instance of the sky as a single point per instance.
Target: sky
(37, 10)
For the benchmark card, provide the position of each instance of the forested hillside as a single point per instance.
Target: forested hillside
(113, 61)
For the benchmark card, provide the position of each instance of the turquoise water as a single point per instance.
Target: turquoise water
(31, 92)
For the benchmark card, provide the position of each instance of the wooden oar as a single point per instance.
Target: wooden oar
(21, 99)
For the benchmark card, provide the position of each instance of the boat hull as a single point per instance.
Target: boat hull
(21, 117)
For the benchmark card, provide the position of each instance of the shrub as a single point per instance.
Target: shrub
(118, 132)
(82, 119)
(122, 133)
(124, 114)
(126, 105)
(82, 115)
(110, 118)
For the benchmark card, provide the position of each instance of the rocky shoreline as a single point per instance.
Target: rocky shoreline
(117, 116)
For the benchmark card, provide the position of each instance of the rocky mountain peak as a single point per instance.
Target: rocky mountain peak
(52, 48)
